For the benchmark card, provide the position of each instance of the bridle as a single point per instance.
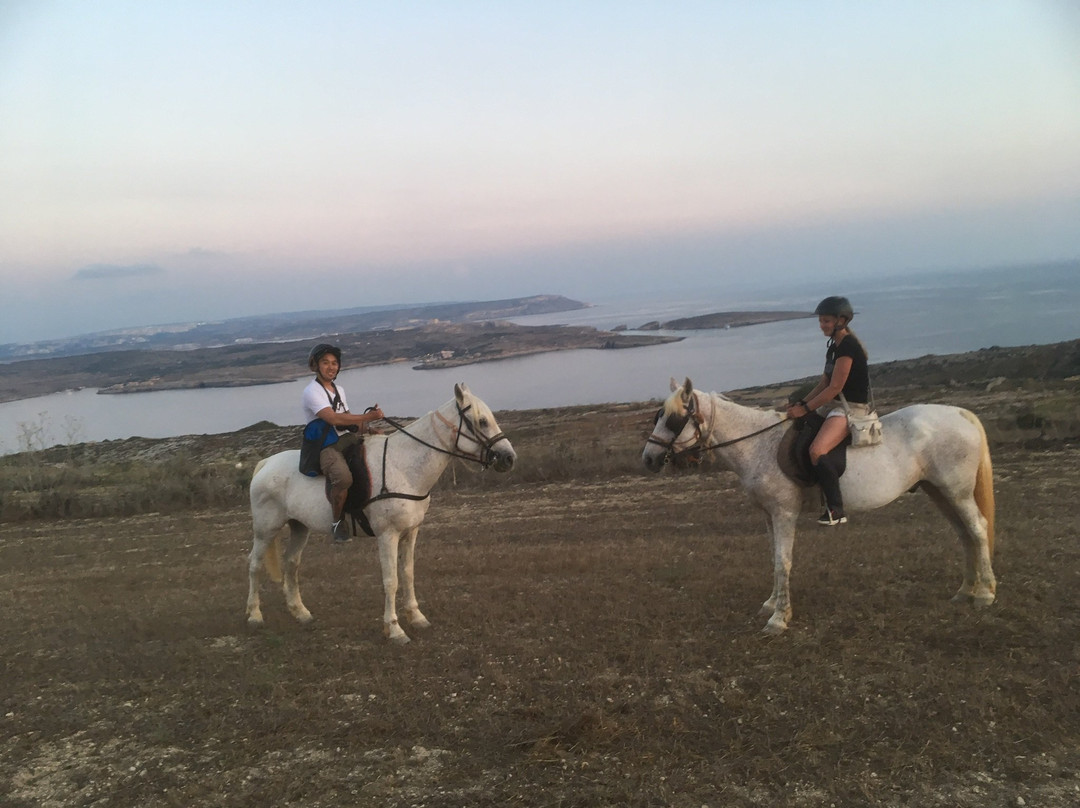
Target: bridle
(695, 449)
(465, 426)
(484, 457)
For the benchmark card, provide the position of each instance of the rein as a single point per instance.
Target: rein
(722, 444)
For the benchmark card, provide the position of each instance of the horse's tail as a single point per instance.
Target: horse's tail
(272, 558)
(984, 482)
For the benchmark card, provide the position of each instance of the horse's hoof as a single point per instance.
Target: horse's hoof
(775, 629)
(393, 632)
(962, 599)
(254, 623)
(982, 601)
(420, 622)
(304, 617)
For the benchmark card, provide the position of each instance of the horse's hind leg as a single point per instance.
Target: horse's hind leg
(412, 606)
(298, 536)
(257, 573)
(979, 586)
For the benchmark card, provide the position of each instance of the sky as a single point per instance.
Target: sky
(168, 162)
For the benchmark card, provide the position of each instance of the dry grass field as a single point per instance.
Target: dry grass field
(595, 642)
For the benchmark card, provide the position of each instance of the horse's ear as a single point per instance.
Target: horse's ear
(674, 384)
(688, 388)
(460, 391)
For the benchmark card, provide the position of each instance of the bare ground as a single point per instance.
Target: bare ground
(593, 644)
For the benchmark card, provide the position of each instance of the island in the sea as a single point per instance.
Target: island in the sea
(724, 319)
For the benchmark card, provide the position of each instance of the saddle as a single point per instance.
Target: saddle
(359, 495)
(793, 454)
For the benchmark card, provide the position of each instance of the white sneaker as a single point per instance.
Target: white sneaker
(341, 532)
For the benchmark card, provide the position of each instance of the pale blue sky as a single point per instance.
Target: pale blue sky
(173, 161)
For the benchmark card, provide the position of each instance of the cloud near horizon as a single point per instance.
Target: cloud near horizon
(96, 272)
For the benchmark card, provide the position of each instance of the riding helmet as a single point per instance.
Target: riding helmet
(835, 307)
(319, 351)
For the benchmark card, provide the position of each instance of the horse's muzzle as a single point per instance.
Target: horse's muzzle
(502, 457)
(654, 459)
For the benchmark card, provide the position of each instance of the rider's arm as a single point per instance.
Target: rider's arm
(350, 419)
(801, 408)
(835, 383)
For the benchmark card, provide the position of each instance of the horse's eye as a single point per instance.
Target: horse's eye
(483, 423)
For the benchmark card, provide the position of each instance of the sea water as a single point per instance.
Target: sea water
(898, 318)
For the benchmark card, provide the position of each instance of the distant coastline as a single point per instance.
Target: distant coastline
(250, 361)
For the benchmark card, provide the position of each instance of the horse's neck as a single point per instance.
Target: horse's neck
(413, 463)
(728, 421)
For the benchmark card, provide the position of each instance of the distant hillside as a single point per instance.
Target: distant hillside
(287, 326)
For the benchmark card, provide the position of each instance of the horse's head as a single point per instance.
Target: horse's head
(479, 433)
(676, 428)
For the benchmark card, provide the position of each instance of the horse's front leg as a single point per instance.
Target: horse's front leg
(769, 606)
(782, 531)
(412, 606)
(388, 561)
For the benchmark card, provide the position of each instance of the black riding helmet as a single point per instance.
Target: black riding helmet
(835, 307)
(319, 351)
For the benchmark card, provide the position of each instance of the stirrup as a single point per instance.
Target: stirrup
(830, 519)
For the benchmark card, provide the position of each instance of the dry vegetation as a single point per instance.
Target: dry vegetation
(594, 640)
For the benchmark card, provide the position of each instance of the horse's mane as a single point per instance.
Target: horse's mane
(674, 404)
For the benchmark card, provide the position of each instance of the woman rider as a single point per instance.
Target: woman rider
(323, 399)
(846, 372)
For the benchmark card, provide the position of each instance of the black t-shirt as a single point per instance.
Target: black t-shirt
(857, 387)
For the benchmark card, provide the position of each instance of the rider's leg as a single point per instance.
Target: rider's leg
(337, 472)
(832, 433)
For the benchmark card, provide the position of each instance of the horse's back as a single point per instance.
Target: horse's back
(933, 422)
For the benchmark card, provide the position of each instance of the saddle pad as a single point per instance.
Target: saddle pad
(793, 455)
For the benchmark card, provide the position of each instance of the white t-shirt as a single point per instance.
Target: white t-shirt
(317, 397)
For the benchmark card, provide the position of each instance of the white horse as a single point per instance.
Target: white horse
(404, 466)
(941, 449)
